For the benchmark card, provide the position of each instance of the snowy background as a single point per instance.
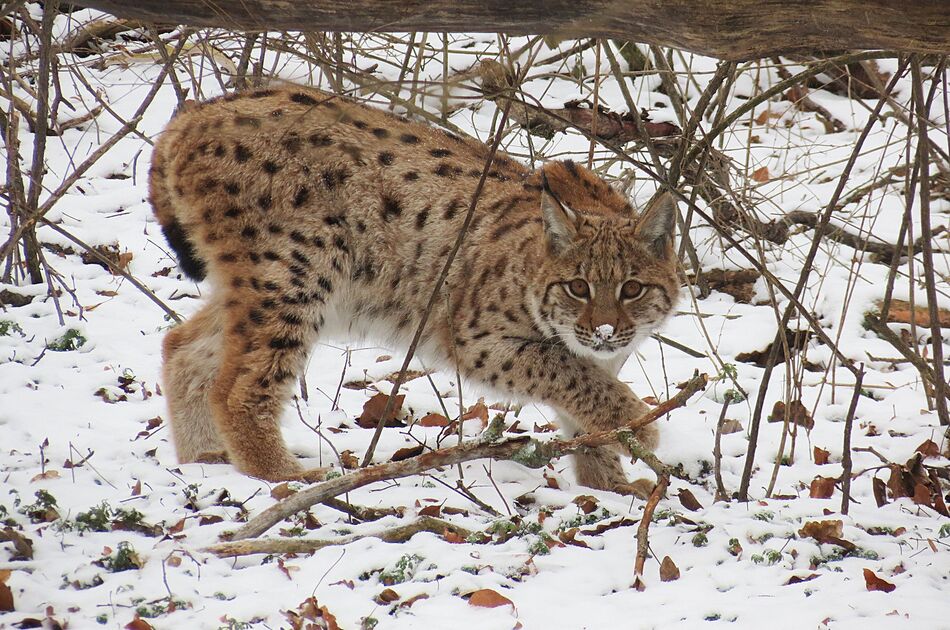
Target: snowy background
(103, 528)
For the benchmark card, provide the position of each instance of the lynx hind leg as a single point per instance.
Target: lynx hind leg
(264, 350)
(191, 353)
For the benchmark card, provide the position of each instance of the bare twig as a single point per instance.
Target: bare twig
(399, 534)
(526, 451)
(643, 530)
(846, 447)
(436, 289)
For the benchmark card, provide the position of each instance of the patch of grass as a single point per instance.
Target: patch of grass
(839, 553)
(43, 511)
(72, 339)
(402, 571)
(160, 607)
(124, 558)
(8, 327)
(700, 540)
(764, 515)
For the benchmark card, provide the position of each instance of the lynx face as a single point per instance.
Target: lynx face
(607, 283)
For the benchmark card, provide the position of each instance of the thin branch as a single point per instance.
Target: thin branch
(399, 534)
(846, 464)
(524, 450)
(643, 530)
(390, 402)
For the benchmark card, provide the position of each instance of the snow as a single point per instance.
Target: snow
(87, 426)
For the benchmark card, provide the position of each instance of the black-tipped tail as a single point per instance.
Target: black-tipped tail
(188, 260)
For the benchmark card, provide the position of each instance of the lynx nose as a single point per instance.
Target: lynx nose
(604, 332)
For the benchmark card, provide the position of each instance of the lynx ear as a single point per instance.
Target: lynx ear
(560, 222)
(657, 225)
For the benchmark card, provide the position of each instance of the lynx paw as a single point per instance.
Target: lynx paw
(212, 457)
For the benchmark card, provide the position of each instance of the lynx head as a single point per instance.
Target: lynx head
(607, 279)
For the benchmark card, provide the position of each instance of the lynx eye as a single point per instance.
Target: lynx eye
(632, 290)
(578, 288)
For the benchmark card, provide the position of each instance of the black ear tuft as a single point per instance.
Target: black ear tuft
(657, 224)
(560, 222)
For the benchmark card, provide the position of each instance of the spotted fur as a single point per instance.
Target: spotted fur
(314, 215)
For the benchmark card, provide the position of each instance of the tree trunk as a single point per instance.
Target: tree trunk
(728, 29)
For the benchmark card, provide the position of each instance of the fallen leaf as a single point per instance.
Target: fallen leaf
(551, 481)
(431, 510)
(348, 460)
(822, 487)
(730, 426)
(478, 411)
(795, 579)
(138, 624)
(829, 531)
(929, 448)
(412, 600)
(373, 410)
(406, 453)
(585, 502)
(386, 596)
(568, 537)
(433, 420)
(669, 572)
(49, 474)
(6, 595)
(281, 491)
(23, 546)
(821, 456)
(880, 491)
(688, 500)
(487, 598)
(211, 519)
(761, 174)
(875, 583)
(797, 414)
(452, 537)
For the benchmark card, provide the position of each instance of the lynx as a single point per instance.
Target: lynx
(313, 215)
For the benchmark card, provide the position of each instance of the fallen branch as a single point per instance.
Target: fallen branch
(526, 451)
(399, 534)
(643, 530)
(881, 251)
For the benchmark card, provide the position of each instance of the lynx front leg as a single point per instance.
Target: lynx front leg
(580, 390)
(601, 467)
(265, 347)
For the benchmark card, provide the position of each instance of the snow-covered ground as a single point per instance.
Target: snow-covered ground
(84, 445)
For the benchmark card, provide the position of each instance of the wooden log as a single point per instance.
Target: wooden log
(728, 29)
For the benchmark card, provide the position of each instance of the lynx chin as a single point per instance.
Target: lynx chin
(311, 215)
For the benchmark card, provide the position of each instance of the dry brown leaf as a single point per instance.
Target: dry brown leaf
(585, 502)
(821, 456)
(797, 414)
(875, 583)
(138, 624)
(822, 487)
(688, 500)
(478, 411)
(433, 420)
(761, 174)
(6, 595)
(406, 453)
(929, 448)
(431, 510)
(373, 410)
(386, 596)
(730, 426)
(281, 491)
(412, 600)
(23, 546)
(551, 481)
(795, 579)
(829, 531)
(348, 460)
(568, 537)
(669, 572)
(49, 474)
(487, 598)
(880, 491)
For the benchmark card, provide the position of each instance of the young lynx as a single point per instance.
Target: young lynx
(314, 215)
